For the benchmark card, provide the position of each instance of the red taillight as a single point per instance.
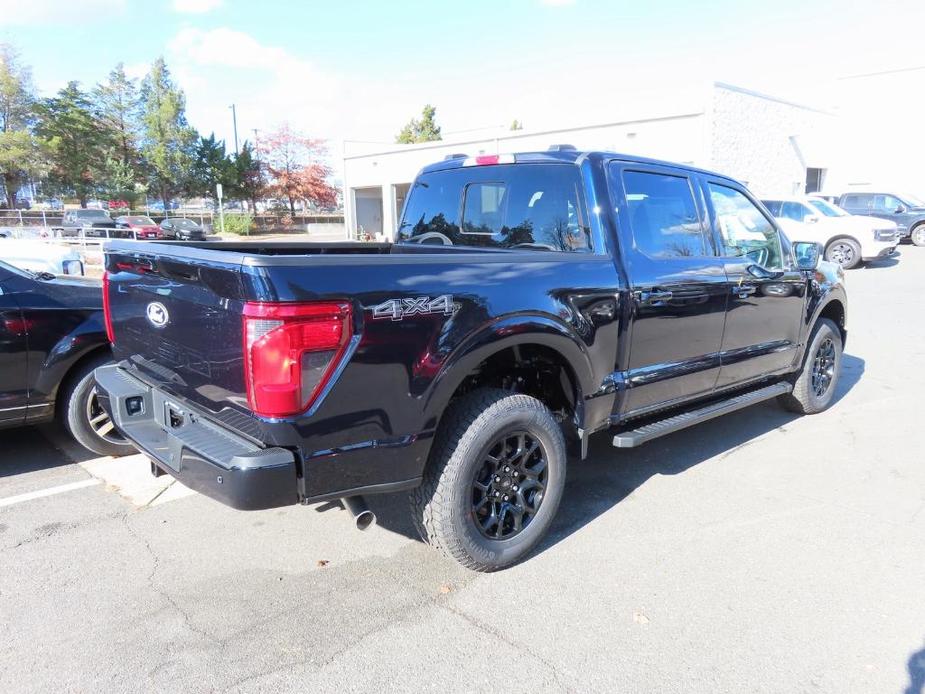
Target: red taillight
(107, 312)
(290, 353)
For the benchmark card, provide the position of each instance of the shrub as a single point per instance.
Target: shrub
(240, 224)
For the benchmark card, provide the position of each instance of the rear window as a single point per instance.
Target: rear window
(506, 207)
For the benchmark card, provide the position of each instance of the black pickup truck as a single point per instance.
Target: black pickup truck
(529, 301)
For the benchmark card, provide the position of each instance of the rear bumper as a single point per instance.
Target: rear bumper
(201, 454)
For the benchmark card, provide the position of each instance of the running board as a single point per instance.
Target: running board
(637, 437)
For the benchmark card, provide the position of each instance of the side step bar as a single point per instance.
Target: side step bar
(647, 432)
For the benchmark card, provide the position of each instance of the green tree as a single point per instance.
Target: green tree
(424, 130)
(77, 143)
(167, 141)
(211, 166)
(249, 182)
(22, 154)
(117, 106)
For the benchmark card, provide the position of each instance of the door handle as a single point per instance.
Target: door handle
(742, 291)
(652, 297)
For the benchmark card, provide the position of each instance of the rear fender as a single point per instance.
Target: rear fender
(502, 334)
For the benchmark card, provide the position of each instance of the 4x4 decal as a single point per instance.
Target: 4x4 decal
(397, 309)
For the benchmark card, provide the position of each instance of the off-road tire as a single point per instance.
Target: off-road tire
(442, 506)
(918, 235)
(74, 407)
(803, 399)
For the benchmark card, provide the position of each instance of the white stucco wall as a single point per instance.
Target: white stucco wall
(764, 141)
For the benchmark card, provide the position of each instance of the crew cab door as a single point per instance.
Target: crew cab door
(14, 391)
(766, 292)
(677, 287)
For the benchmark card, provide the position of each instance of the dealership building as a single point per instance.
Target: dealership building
(774, 146)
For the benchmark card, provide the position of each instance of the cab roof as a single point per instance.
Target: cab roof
(559, 154)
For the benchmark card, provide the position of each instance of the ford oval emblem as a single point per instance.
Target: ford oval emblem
(157, 314)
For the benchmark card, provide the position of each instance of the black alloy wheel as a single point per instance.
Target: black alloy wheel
(509, 486)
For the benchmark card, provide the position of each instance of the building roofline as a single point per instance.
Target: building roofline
(767, 97)
(517, 134)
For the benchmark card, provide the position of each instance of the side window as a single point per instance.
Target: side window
(483, 209)
(774, 206)
(744, 229)
(794, 211)
(663, 215)
(886, 203)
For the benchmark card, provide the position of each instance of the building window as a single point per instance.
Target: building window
(814, 180)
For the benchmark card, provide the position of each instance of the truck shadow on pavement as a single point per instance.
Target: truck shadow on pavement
(609, 475)
(33, 448)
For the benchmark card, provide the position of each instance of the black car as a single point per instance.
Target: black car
(530, 301)
(93, 223)
(52, 337)
(182, 229)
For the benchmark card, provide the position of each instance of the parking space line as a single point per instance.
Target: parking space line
(60, 489)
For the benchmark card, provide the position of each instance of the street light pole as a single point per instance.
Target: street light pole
(234, 120)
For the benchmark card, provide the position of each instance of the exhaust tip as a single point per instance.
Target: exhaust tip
(365, 519)
(362, 516)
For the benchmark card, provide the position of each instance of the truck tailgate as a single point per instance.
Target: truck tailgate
(177, 320)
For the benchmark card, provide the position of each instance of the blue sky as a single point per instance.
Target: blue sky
(359, 70)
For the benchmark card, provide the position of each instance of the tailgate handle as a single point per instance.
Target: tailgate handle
(179, 272)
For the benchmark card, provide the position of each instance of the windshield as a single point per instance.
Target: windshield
(911, 200)
(140, 221)
(185, 223)
(90, 214)
(827, 208)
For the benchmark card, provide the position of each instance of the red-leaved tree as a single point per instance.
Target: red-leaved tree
(295, 167)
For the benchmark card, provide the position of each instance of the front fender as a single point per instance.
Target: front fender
(826, 287)
(504, 333)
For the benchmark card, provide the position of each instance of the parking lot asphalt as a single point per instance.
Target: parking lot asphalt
(760, 552)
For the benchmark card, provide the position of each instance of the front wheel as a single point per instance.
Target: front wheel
(845, 252)
(918, 235)
(815, 386)
(494, 480)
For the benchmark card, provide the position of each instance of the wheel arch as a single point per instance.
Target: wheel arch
(73, 371)
(534, 355)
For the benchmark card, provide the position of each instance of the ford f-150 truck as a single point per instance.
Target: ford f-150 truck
(529, 301)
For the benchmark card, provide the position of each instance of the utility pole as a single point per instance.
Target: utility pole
(234, 120)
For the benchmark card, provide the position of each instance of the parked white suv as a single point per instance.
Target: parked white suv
(847, 239)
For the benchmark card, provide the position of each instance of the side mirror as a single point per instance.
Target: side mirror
(900, 209)
(807, 254)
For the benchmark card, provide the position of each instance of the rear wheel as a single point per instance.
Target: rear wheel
(815, 386)
(84, 417)
(918, 235)
(845, 252)
(494, 481)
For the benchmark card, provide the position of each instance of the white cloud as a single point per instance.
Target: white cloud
(25, 12)
(195, 6)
